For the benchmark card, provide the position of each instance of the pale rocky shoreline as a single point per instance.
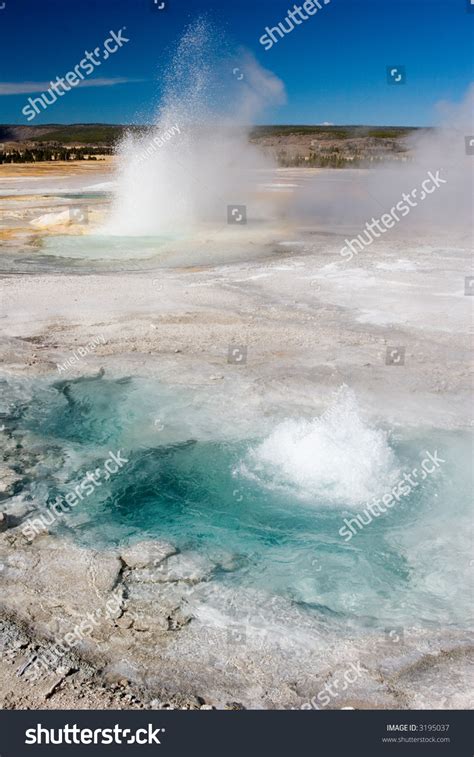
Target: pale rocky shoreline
(129, 658)
(66, 583)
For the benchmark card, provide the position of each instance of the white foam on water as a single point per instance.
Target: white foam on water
(338, 458)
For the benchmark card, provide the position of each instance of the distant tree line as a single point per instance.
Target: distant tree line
(315, 161)
(55, 152)
(333, 160)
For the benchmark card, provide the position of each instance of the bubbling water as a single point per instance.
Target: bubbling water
(338, 458)
(196, 159)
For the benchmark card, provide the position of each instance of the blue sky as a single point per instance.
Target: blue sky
(333, 65)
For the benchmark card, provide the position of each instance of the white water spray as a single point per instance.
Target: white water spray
(196, 159)
(338, 458)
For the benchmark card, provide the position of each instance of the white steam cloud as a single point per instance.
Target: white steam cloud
(171, 183)
(371, 193)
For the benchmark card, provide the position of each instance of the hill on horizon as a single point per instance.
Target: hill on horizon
(108, 134)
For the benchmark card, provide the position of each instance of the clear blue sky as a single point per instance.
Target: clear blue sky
(333, 65)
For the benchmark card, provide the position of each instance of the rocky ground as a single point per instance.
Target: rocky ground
(41, 667)
(136, 600)
(311, 322)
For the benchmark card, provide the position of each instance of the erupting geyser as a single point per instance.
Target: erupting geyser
(196, 159)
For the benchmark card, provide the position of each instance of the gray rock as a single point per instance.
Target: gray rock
(144, 554)
(3, 521)
(9, 481)
(83, 579)
(125, 621)
(190, 567)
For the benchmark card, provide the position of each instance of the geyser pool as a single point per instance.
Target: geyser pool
(200, 489)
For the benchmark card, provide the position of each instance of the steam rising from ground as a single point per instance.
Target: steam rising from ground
(209, 103)
(373, 193)
(196, 159)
